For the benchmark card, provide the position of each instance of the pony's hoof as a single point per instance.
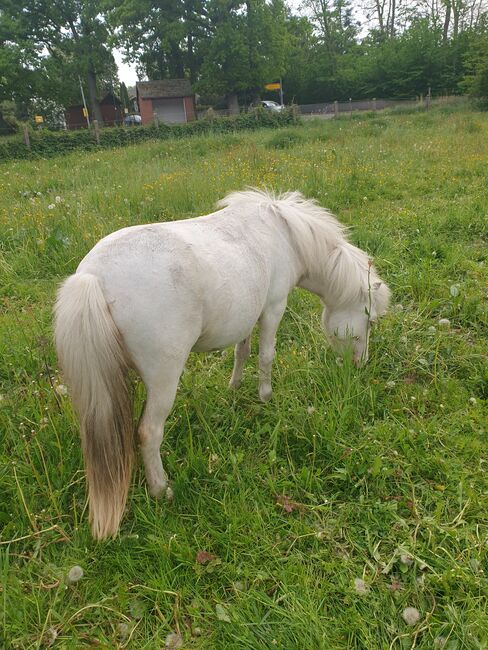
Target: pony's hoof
(169, 494)
(235, 385)
(265, 395)
(158, 488)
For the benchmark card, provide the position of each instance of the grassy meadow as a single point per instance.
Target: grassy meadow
(324, 514)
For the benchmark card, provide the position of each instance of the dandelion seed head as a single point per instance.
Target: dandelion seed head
(411, 615)
(61, 389)
(360, 586)
(173, 641)
(74, 574)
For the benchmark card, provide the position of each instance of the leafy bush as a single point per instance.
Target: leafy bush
(51, 143)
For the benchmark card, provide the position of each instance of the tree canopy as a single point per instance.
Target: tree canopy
(229, 49)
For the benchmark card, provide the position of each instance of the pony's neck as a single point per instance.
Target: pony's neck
(342, 276)
(313, 285)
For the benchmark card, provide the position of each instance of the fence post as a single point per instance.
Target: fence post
(429, 97)
(336, 108)
(374, 104)
(350, 105)
(97, 131)
(26, 136)
(156, 119)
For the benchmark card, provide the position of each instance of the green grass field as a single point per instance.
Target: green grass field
(351, 496)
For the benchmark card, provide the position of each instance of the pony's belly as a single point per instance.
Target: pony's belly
(219, 340)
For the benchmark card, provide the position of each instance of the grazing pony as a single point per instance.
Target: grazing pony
(146, 296)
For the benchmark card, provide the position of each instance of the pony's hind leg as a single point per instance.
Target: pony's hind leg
(241, 354)
(161, 391)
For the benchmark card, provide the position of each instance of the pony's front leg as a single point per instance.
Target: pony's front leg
(241, 354)
(161, 391)
(268, 323)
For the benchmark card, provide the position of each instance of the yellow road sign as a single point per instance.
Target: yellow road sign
(38, 119)
(275, 86)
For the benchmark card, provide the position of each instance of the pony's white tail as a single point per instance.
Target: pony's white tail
(92, 359)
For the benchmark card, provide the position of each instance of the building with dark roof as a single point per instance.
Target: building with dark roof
(110, 106)
(170, 100)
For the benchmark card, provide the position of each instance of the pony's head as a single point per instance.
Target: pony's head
(348, 326)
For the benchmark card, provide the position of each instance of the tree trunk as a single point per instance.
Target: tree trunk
(96, 111)
(456, 10)
(447, 20)
(176, 65)
(191, 58)
(392, 17)
(233, 104)
(380, 7)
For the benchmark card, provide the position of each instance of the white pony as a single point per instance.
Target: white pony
(146, 296)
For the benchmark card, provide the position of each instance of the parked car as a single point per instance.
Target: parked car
(269, 105)
(132, 120)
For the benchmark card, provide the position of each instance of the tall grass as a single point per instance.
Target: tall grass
(375, 474)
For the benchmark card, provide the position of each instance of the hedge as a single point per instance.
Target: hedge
(44, 144)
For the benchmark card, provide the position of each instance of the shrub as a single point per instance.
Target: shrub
(52, 143)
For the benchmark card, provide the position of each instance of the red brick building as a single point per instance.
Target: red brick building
(172, 100)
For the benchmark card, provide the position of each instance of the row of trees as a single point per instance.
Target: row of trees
(331, 49)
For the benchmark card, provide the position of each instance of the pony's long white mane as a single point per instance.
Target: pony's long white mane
(321, 243)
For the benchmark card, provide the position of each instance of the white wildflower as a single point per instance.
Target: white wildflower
(51, 206)
(472, 401)
(444, 322)
(310, 410)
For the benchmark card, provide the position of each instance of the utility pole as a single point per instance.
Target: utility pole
(84, 102)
